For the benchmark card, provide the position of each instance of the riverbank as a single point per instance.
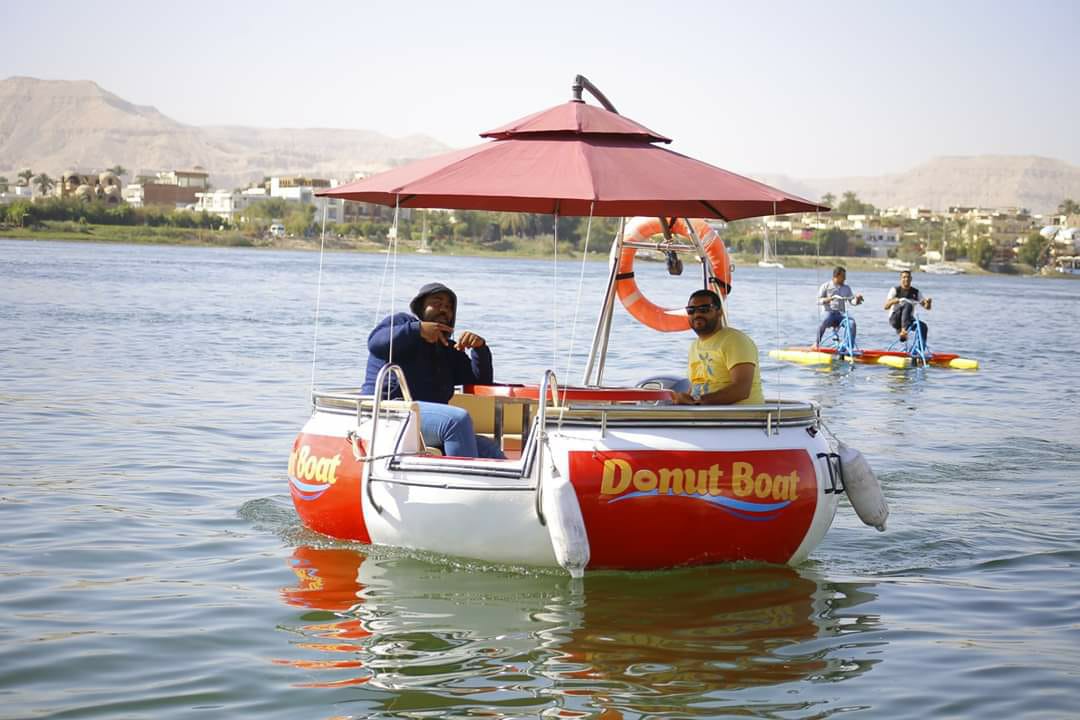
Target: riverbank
(857, 264)
(510, 248)
(199, 237)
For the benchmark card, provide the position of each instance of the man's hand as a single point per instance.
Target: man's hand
(927, 302)
(858, 299)
(469, 340)
(435, 332)
(681, 398)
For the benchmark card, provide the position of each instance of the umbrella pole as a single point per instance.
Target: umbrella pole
(602, 332)
(706, 268)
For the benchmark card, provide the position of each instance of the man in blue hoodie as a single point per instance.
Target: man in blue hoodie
(422, 344)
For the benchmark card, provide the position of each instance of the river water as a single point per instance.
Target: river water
(152, 564)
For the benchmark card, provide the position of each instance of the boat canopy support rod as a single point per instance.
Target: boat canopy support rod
(603, 322)
(582, 83)
(706, 267)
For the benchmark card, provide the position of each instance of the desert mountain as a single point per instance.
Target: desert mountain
(56, 125)
(1036, 183)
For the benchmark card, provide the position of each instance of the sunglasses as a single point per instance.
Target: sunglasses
(692, 309)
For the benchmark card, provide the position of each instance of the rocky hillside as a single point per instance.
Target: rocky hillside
(1036, 183)
(55, 125)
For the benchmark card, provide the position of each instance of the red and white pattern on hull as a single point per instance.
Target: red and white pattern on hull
(649, 509)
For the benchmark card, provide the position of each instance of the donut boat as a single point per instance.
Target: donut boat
(595, 478)
(592, 480)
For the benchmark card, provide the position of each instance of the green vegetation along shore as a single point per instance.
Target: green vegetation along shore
(526, 247)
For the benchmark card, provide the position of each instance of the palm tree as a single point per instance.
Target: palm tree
(26, 176)
(512, 223)
(1068, 207)
(3, 184)
(828, 199)
(118, 170)
(44, 183)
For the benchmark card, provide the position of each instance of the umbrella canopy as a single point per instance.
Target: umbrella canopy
(574, 159)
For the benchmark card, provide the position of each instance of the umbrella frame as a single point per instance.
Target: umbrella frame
(602, 331)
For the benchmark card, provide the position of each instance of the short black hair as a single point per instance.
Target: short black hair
(703, 292)
(839, 269)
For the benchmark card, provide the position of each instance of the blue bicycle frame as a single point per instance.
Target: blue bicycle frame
(915, 346)
(843, 340)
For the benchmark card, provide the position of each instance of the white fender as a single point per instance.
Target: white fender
(565, 524)
(862, 487)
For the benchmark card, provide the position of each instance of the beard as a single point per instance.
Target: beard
(706, 326)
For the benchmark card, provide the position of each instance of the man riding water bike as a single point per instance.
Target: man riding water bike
(902, 313)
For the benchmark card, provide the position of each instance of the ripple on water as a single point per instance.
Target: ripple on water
(152, 564)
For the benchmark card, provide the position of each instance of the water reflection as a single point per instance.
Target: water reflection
(326, 584)
(463, 639)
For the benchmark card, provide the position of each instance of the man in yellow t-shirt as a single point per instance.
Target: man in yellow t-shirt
(723, 360)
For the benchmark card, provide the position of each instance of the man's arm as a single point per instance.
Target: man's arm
(405, 331)
(890, 299)
(742, 380)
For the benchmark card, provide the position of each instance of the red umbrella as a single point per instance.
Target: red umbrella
(574, 159)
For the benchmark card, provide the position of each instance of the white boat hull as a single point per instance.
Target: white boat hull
(655, 486)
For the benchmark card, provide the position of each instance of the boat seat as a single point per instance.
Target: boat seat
(482, 411)
(415, 438)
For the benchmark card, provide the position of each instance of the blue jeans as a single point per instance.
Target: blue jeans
(833, 319)
(451, 429)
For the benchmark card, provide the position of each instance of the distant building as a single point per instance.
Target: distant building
(908, 213)
(16, 192)
(1006, 228)
(172, 189)
(133, 194)
(103, 186)
(228, 204)
(880, 240)
(360, 211)
(302, 189)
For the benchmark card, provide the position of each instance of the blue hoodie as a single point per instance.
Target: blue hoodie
(431, 369)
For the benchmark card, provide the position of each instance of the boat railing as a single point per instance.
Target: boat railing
(770, 415)
(406, 399)
(380, 381)
(548, 384)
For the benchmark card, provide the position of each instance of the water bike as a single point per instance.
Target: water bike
(900, 354)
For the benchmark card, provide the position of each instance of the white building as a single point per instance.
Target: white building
(880, 240)
(133, 195)
(228, 204)
(302, 190)
(16, 192)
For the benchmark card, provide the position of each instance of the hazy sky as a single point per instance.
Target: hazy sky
(807, 89)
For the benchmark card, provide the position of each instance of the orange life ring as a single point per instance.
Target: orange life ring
(644, 310)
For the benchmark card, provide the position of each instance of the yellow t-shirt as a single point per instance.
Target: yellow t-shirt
(712, 358)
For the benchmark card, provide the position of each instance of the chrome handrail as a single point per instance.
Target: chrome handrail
(541, 435)
(380, 380)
